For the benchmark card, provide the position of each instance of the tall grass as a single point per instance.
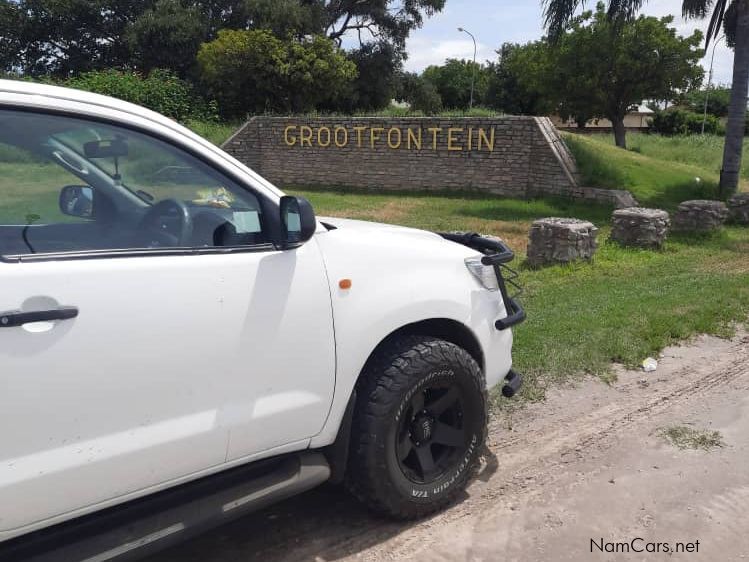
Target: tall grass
(657, 181)
(215, 132)
(704, 151)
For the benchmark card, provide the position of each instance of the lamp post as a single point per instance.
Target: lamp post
(709, 81)
(473, 74)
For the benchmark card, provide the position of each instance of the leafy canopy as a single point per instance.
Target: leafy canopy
(452, 81)
(254, 72)
(598, 67)
(64, 37)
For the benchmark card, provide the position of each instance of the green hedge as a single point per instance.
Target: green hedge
(162, 91)
(678, 121)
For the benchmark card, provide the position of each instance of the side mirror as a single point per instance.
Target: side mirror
(298, 220)
(77, 201)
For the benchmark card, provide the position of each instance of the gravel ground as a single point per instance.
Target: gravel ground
(588, 465)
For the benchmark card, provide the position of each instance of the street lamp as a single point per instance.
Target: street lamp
(709, 80)
(473, 74)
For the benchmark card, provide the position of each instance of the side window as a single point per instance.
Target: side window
(71, 185)
(30, 188)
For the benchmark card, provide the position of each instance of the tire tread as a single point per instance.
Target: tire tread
(387, 376)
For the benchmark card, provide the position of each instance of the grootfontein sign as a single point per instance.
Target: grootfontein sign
(454, 139)
(516, 156)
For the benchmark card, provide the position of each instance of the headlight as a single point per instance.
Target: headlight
(484, 273)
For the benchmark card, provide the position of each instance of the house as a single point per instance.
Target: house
(638, 119)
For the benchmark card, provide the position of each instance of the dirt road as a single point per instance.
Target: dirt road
(588, 464)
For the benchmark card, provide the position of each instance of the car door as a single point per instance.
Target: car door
(131, 360)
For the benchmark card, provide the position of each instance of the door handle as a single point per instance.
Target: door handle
(17, 318)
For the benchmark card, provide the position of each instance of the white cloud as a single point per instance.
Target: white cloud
(424, 51)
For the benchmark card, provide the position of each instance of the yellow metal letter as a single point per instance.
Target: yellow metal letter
(434, 131)
(489, 141)
(470, 138)
(341, 144)
(359, 131)
(374, 135)
(391, 144)
(305, 135)
(412, 137)
(451, 139)
(319, 137)
(290, 140)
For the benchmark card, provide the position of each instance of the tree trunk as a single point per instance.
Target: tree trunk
(620, 132)
(731, 172)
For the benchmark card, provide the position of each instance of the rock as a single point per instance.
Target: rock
(619, 198)
(738, 208)
(700, 216)
(561, 240)
(649, 365)
(643, 228)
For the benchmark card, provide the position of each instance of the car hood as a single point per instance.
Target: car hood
(366, 227)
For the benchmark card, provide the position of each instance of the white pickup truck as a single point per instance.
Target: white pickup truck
(181, 343)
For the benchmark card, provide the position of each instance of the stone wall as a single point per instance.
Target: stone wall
(512, 156)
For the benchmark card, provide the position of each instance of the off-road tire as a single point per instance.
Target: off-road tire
(402, 369)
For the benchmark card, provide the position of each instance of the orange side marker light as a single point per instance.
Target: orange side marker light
(345, 284)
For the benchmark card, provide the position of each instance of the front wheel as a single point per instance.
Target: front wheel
(418, 428)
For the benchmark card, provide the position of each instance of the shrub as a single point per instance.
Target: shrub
(161, 91)
(252, 71)
(718, 101)
(678, 121)
(421, 94)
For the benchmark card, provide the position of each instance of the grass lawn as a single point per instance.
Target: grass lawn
(702, 151)
(623, 307)
(653, 181)
(659, 171)
(626, 304)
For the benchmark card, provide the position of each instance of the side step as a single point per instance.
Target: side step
(153, 523)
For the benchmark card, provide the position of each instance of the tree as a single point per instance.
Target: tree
(166, 36)
(63, 37)
(10, 18)
(517, 80)
(372, 20)
(315, 71)
(453, 82)
(598, 67)
(252, 71)
(733, 16)
(718, 100)
(285, 17)
(374, 87)
(383, 20)
(161, 91)
(419, 93)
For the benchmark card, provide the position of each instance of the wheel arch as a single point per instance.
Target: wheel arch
(443, 328)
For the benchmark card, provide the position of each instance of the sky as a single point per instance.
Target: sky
(494, 22)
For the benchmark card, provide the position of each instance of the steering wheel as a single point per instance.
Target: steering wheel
(167, 224)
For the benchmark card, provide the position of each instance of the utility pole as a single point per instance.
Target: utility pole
(473, 74)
